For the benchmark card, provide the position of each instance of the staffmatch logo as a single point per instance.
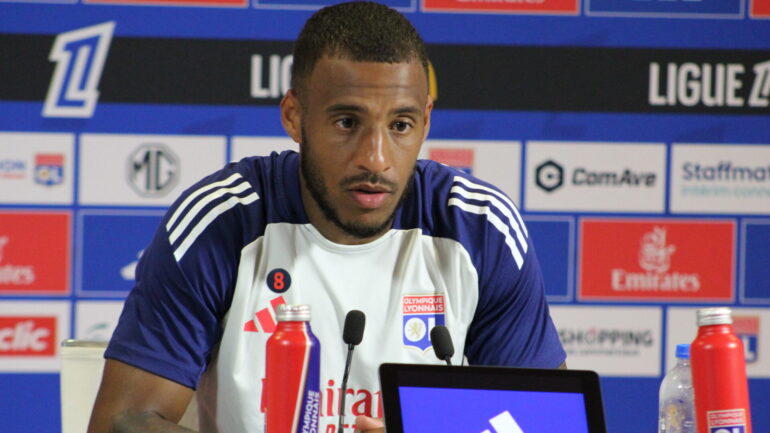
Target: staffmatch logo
(79, 56)
(27, 336)
(657, 260)
(421, 313)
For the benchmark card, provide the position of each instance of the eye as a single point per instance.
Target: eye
(346, 123)
(401, 126)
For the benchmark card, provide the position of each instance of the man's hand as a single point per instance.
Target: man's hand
(365, 424)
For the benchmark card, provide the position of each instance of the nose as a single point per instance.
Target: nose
(374, 151)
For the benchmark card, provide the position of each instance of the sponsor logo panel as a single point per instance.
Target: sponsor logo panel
(760, 8)
(613, 341)
(461, 159)
(602, 177)
(666, 8)
(316, 4)
(722, 179)
(31, 333)
(40, 1)
(755, 255)
(144, 170)
(751, 325)
(96, 320)
(211, 3)
(34, 253)
(497, 162)
(517, 6)
(553, 239)
(243, 147)
(36, 168)
(421, 313)
(110, 248)
(656, 260)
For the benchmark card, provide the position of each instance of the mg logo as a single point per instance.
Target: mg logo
(153, 170)
(79, 56)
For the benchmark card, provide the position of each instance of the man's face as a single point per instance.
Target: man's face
(361, 126)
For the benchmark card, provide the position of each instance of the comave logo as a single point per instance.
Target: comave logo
(504, 423)
(79, 56)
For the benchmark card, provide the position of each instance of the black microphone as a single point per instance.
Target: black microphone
(442, 343)
(352, 334)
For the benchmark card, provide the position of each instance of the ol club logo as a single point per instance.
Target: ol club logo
(278, 280)
(421, 313)
(49, 169)
(747, 329)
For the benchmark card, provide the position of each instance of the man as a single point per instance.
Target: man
(351, 222)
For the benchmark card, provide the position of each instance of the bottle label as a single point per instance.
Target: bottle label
(727, 421)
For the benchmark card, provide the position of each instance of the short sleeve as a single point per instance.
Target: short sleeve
(171, 321)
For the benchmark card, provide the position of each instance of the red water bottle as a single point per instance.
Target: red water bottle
(292, 379)
(719, 375)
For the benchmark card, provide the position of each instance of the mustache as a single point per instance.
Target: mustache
(371, 178)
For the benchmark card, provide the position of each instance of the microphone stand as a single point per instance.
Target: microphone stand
(344, 387)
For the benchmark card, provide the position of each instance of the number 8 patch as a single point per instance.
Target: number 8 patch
(278, 280)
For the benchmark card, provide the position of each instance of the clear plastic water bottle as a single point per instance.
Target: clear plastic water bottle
(676, 396)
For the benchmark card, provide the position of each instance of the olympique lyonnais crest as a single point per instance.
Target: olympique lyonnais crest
(421, 313)
(747, 329)
(49, 169)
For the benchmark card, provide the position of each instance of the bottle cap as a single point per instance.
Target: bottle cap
(683, 351)
(293, 313)
(714, 316)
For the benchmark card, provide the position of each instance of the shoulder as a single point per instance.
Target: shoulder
(470, 211)
(231, 200)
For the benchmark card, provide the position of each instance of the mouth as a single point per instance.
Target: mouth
(368, 196)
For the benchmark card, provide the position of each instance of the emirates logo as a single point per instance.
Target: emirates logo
(654, 254)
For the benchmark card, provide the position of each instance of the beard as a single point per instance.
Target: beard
(319, 191)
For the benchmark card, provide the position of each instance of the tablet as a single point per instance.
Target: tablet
(442, 399)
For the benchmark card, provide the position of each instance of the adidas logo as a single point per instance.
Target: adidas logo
(504, 423)
(264, 320)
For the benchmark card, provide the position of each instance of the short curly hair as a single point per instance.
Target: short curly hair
(361, 31)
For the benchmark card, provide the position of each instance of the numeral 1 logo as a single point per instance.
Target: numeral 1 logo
(79, 56)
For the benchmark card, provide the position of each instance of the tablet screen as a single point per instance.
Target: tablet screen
(479, 410)
(435, 398)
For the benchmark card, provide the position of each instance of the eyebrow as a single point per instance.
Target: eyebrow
(344, 107)
(336, 108)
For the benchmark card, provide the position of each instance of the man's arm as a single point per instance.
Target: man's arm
(133, 400)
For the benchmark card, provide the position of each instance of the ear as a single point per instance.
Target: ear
(291, 116)
(428, 110)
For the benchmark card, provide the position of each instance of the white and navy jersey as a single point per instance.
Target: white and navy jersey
(239, 243)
